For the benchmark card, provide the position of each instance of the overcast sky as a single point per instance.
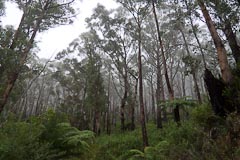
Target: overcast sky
(56, 39)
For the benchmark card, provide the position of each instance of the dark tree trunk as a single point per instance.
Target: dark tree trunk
(169, 86)
(222, 104)
(10, 83)
(162, 95)
(153, 100)
(231, 37)
(159, 91)
(142, 112)
(215, 89)
(177, 115)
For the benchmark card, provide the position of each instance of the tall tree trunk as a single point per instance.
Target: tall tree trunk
(177, 115)
(232, 40)
(123, 103)
(153, 100)
(12, 77)
(96, 122)
(162, 97)
(109, 104)
(227, 30)
(142, 112)
(158, 92)
(221, 51)
(109, 120)
(169, 86)
(134, 105)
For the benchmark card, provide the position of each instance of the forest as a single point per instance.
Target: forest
(149, 80)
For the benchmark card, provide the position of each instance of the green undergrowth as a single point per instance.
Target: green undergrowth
(48, 137)
(203, 136)
(117, 145)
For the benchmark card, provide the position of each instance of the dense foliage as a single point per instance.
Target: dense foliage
(48, 137)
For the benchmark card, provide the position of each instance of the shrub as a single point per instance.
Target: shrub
(49, 137)
(20, 141)
(114, 146)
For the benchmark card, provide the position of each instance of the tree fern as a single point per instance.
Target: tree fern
(72, 140)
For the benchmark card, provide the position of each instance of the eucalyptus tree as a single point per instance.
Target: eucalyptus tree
(86, 78)
(151, 46)
(221, 50)
(70, 90)
(180, 24)
(227, 13)
(37, 16)
(222, 103)
(95, 93)
(167, 45)
(116, 42)
(139, 11)
(195, 27)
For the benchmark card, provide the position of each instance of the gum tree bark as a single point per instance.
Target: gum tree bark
(221, 51)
